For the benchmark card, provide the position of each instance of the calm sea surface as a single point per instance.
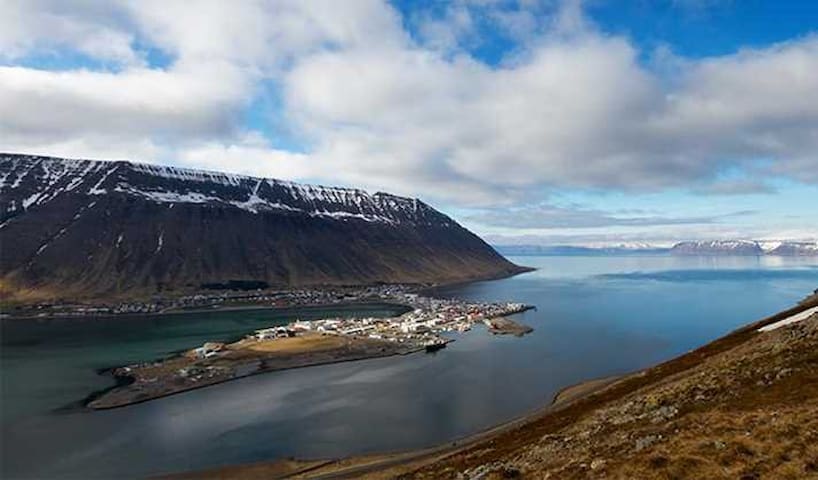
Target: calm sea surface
(596, 316)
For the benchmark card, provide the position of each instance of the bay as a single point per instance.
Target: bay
(596, 316)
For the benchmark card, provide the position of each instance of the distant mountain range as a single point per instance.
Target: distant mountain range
(786, 248)
(746, 247)
(90, 228)
(571, 250)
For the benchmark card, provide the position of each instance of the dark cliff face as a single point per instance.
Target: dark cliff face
(88, 228)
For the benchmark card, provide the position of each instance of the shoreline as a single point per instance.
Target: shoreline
(519, 270)
(304, 344)
(124, 381)
(179, 312)
(360, 464)
(568, 404)
(420, 288)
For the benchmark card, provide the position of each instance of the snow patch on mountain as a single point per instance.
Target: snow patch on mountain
(30, 181)
(747, 247)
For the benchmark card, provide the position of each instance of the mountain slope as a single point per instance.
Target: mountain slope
(88, 228)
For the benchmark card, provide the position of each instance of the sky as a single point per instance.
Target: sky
(530, 122)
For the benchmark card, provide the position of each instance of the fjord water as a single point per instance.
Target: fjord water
(596, 316)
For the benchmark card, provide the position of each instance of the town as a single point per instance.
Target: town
(422, 326)
(220, 299)
(300, 343)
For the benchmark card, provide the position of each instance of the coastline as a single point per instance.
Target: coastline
(355, 466)
(421, 289)
(519, 270)
(304, 344)
(94, 401)
(199, 310)
(568, 405)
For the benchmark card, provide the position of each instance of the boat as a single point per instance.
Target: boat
(435, 345)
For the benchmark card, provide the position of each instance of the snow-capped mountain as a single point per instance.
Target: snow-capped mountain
(581, 250)
(92, 227)
(784, 248)
(30, 181)
(746, 247)
(789, 248)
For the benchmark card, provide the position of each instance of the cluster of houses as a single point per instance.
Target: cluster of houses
(208, 350)
(422, 326)
(291, 297)
(216, 299)
(67, 310)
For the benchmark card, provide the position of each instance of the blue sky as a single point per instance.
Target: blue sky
(593, 122)
(692, 28)
(706, 28)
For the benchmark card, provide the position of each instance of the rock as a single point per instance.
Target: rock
(784, 372)
(664, 413)
(647, 441)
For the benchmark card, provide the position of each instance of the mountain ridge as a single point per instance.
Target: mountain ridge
(746, 247)
(784, 248)
(98, 228)
(236, 184)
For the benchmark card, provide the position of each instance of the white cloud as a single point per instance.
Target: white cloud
(138, 102)
(579, 112)
(251, 155)
(736, 186)
(574, 108)
(46, 26)
(262, 36)
(188, 112)
(546, 216)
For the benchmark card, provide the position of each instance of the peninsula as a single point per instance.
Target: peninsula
(308, 343)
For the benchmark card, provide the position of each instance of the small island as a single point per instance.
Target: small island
(308, 343)
(507, 326)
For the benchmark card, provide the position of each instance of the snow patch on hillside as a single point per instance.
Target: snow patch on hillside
(30, 181)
